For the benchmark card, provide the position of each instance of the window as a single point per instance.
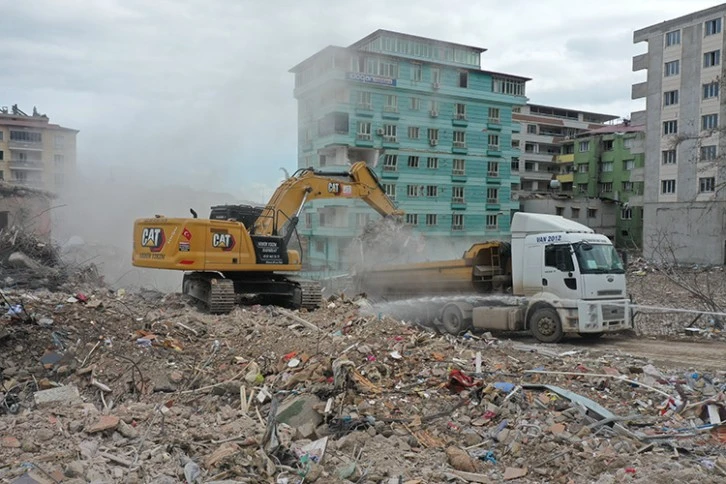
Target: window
(433, 136)
(364, 130)
(58, 159)
(574, 212)
(494, 115)
(627, 186)
(515, 164)
(2, 175)
(391, 103)
(493, 142)
(364, 100)
(712, 58)
(432, 190)
(628, 165)
(512, 87)
(432, 163)
(670, 127)
(413, 161)
(415, 104)
(668, 186)
(414, 191)
(591, 212)
(493, 168)
(436, 76)
(1, 154)
(559, 257)
(584, 146)
(517, 109)
(709, 121)
(460, 111)
(492, 195)
(492, 222)
(390, 133)
(707, 184)
(713, 27)
(710, 90)
(308, 220)
(669, 157)
(459, 139)
(457, 221)
(390, 163)
(606, 187)
(582, 187)
(390, 190)
(532, 129)
(626, 213)
(670, 98)
(607, 145)
(708, 153)
(413, 132)
(515, 143)
(412, 219)
(1, 136)
(458, 167)
(457, 194)
(26, 136)
(431, 219)
(606, 166)
(529, 166)
(582, 168)
(362, 219)
(320, 244)
(416, 72)
(673, 38)
(672, 68)
(559, 210)
(463, 79)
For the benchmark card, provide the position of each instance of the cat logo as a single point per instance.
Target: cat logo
(333, 187)
(153, 238)
(223, 241)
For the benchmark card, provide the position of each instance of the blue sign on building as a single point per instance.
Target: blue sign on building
(370, 79)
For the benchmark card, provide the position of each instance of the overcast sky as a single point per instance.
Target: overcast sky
(198, 91)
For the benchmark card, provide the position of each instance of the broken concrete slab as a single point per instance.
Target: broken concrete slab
(106, 422)
(66, 395)
(299, 412)
(511, 473)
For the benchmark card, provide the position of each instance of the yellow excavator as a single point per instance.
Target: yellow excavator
(245, 251)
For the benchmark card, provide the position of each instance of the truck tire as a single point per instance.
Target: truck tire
(546, 326)
(453, 321)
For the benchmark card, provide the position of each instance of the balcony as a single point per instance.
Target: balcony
(32, 165)
(26, 145)
(640, 62)
(460, 120)
(639, 90)
(459, 147)
(566, 178)
(637, 175)
(495, 124)
(458, 203)
(569, 158)
(27, 182)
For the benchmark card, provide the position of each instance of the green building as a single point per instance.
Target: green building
(607, 164)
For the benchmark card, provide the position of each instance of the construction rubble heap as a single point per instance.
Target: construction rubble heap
(102, 385)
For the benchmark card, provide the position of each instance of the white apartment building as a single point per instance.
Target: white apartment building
(684, 147)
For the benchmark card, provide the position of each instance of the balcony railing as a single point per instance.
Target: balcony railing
(26, 164)
(25, 145)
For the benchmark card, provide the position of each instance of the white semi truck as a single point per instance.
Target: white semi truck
(557, 276)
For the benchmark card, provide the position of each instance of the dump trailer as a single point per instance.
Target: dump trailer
(555, 277)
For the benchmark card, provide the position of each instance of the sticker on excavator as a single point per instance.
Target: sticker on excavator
(153, 238)
(185, 246)
(223, 241)
(270, 250)
(333, 187)
(187, 234)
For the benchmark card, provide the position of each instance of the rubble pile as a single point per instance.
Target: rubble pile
(109, 386)
(388, 241)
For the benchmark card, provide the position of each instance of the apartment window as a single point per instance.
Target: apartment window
(708, 153)
(414, 191)
(559, 210)
(308, 220)
(493, 168)
(362, 219)
(390, 163)
(673, 38)
(712, 58)
(432, 163)
(457, 194)
(607, 166)
(513, 87)
(606, 187)
(433, 136)
(668, 186)
(672, 68)
(58, 159)
(416, 72)
(413, 161)
(710, 90)
(463, 79)
(515, 164)
(592, 212)
(460, 111)
(436, 76)
(493, 141)
(628, 165)
(1, 136)
(1, 152)
(713, 27)
(531, 129)
(707, 184)
(607, 145)
(574, 212)
(432, 190)
(413, 132)
(415, 104)
(670, 127)
(627, 186)
(494, 115)
(431, 219)
(457, 221)
(390, 133)
(584, 146)
(459, 166)
(492, 195)
(626, 213)
(320, 244)
(492, 222)
(529, 166)
(59, 141)
(515, 143)
(26, 136)
(582, 187)
(364, 130)
(391, 103)
(669, 157)
(459, 139)
(390, 190)
(412, 219)
(709, 121)
(670, 98)
(364, 100)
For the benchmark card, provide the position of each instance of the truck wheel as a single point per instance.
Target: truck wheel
(453, 320)
(590, 335)
(546, 325)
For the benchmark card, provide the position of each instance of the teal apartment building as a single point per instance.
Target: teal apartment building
(436, 128)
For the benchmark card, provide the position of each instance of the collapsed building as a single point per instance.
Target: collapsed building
(25, 208)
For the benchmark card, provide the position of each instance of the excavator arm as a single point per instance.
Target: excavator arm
(284, 208)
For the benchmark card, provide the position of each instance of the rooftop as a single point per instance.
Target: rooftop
(545, 110)
(14, 116)
(380, 32)
(642, 35)
(617, 128)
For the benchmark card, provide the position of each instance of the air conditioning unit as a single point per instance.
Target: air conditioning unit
(380, 131)
(433, 142)
(435, 85)
(434, 113)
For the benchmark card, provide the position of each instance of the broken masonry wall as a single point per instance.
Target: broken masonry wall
(31, 213)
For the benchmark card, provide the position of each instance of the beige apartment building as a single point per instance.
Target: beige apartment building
(34, 152)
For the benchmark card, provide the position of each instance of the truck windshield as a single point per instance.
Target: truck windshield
(598, 259)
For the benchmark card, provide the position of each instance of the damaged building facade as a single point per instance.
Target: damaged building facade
(436, 127)
(25, 208)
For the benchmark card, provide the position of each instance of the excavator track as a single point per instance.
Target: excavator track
(212, 291)
(312, 294)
